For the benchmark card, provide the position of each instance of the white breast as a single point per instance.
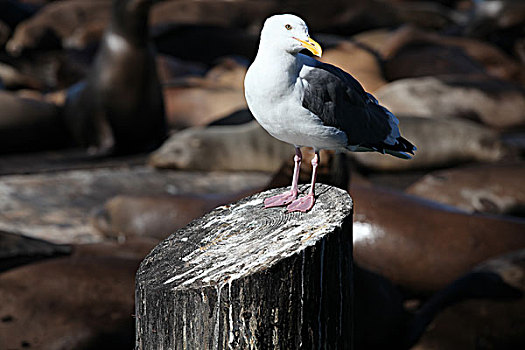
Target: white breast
(277, 106)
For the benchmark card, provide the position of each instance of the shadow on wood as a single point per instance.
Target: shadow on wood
(247, 277)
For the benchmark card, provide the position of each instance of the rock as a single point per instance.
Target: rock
(439, 142)
(57, 206)
(494, 103)
(246, 147)
(493, 189)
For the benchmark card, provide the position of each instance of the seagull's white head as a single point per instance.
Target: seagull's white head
(289, 33)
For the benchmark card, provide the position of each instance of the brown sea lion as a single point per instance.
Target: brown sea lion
(238, 147)
(225, 13)
(84, 301)
(34, 204)
(433, 15)
(28, 125)
(56, 23)
(12, 78)
(200, 101)
(205, 43)
(17, 249)
(384, 320)
(494, 320)
(421, 59)
(170, 69)
(119, 108)
(498, 21)
(421, 245)
(440, 142)
(362, 63)
(490, 188)
(493, 102)
(5, 32)
(494, 61)
(158, 216)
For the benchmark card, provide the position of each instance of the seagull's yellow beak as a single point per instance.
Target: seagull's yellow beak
(312, 46)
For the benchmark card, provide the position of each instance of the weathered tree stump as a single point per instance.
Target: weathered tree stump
(244, 277)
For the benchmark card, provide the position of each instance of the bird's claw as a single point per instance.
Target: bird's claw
(280, 200)
(302, 204)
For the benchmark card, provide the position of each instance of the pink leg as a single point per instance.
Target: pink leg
(306, 203)
(288, 196)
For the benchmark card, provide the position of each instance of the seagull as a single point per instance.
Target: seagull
(304, 102)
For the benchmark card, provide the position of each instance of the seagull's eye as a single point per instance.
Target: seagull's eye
(288, 27)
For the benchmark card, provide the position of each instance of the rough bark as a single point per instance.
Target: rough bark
(244, 277)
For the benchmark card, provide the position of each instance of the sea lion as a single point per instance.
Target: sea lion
(5, 33)
(170, 69)
(421, 245)
(34, 204)
(490, 188)
(84, 301)
(12, 78)
(440, 142)
(17, 249)
(199, 101)
(359, 61)
(13, 12)
(158, 216)
(205, 43)
(494, 320)
(383, 319)
(242, 116)
(498, 21)
(119, 108)
(245, 147)
(28, 125)
(221, 13)
(434, 15)
(493, 102)
(494, 61)
(421, 59)
(54, 25)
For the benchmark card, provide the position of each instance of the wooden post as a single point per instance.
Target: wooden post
(244, 277)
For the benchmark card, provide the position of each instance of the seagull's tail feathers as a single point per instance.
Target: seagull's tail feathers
(401, 149)
(402, 155)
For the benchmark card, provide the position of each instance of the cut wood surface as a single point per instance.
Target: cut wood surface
(244, 277)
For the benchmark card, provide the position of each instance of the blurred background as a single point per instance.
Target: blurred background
(123, 120)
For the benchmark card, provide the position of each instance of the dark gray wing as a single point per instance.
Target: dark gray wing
(340, 101)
